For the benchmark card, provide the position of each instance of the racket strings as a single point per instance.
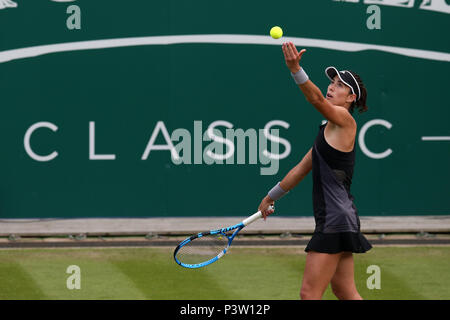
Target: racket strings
(202, 249)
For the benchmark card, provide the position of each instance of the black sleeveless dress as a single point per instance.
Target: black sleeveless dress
(337, 222)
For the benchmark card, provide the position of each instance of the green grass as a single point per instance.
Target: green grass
(256, 273)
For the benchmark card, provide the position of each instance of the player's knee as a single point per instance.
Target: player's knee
(304, 294)
(337, 291)
(345, 292)
(308, 293)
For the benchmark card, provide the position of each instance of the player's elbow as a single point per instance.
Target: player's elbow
(323, 107)
(316, 100)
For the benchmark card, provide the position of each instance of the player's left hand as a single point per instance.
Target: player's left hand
(292, 57)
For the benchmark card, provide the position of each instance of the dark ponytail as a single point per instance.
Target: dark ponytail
(361, 103)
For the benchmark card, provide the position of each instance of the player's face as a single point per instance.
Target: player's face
(338, 93)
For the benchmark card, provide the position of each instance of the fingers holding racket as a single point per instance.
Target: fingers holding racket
(267, 207)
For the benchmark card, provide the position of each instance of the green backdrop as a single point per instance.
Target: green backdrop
(126, 90)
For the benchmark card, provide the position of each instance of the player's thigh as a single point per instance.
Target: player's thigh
(319, 270)
(344, 277)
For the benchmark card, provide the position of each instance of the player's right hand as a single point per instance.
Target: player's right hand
(264, 207)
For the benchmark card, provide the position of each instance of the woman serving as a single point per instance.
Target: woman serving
(337, 233)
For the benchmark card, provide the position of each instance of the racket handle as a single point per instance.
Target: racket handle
(254, 217)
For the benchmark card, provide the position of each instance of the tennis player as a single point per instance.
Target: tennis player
(337, 233)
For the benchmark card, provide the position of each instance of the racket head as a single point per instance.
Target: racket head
(204, 248)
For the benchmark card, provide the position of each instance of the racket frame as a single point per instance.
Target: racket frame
(238, 227)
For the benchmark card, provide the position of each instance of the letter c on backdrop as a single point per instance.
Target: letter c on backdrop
(362, 135)
(26, 141)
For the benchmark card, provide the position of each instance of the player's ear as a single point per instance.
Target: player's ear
(351, 98)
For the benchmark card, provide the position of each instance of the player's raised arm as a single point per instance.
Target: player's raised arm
(334, 113)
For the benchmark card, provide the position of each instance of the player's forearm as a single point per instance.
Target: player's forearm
(298, 173)
(312, 93)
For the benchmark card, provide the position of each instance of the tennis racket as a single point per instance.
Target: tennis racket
(204, 248)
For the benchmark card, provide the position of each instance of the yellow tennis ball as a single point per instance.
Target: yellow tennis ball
(276, 32)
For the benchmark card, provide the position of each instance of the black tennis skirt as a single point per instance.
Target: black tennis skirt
(338, 242)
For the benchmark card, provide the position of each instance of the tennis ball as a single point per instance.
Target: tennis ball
(276, 32)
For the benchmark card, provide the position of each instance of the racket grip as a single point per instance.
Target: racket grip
(254, 217)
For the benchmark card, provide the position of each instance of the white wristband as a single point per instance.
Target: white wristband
(276, 192)
(300, 77)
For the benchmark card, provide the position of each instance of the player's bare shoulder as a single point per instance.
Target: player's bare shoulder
(346, 120)
(342, 136)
